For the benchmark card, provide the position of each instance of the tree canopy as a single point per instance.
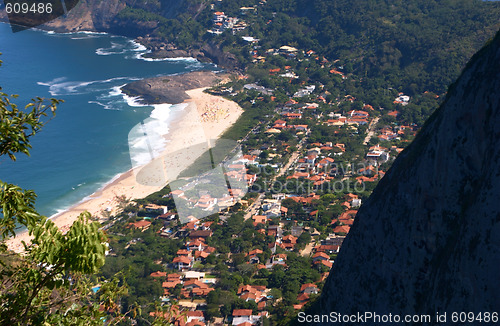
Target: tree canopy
(49, 283)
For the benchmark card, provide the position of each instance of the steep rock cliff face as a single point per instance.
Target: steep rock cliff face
(102, 16)
(98, 15)
(428, 239)
(88, 15)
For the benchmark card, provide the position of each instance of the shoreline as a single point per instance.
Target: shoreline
(173, 88)
(204, 117)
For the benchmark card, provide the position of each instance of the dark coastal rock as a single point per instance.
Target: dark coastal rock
(171, 89)
(224, 59)
(88, 15)
(428, 239)
(160, 54)
(103, 16)
(209, 52)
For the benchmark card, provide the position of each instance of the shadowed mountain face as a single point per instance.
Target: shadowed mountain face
(27, 14)
(97, 15)
(428, 239)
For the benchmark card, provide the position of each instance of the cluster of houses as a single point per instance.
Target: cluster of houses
(189, 284)
(402, 99)
(316, 164)
(378, 153)
(221, 22)
(353, 117)
(389, 133)
(180, 317)
(245, 317)
(261, 294)
(235, 173)
(280, 125)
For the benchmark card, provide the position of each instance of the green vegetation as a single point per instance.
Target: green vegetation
(412, 45)
(54, 281)
(181, 23)
(355, 55)
(50, 283)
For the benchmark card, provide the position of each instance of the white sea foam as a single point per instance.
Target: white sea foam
(78, 185)
(115, 91)
(147, 139)
(91, 33)
(195, 65)
(87, 33)
(103, 51)
(104, 105)
(138, 46)
(142, 51)
(122, 48)
(177, 59)
(118, 78)
(59, 211)
(141, 57)
(60, 86)
(116, 48)
(133, 101)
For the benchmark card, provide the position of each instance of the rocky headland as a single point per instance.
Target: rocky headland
(171, 89)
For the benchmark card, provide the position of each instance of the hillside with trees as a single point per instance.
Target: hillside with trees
(413, 45)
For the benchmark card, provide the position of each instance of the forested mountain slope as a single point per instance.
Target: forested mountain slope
(414, 44)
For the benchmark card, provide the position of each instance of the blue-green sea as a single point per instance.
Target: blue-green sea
(86, 145)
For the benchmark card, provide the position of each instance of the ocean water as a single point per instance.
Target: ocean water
(86, 145)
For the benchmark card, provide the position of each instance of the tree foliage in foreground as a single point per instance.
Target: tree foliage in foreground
(50, 283)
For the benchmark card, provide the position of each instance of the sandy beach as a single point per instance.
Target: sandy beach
(205, 117)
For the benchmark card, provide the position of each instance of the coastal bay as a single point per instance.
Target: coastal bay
(212, 113)
(78, 162)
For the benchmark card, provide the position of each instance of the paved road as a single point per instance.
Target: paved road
(254, 208)
(371, 130)
(308, 249)
(293, 158)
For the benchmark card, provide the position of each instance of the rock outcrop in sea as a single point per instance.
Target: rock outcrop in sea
(104, 16)
(428, 239)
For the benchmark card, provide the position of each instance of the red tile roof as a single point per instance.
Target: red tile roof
(327, 263)
(308, 285)
(342, 229)
(242, 312)
(303, 297)
(170, 284)
(182, 259)
(158, 274)
(140, 225)
(174, 276)
(202, 291)
(319, 255)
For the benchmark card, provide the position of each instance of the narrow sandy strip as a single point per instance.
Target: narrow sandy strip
(213, 115)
